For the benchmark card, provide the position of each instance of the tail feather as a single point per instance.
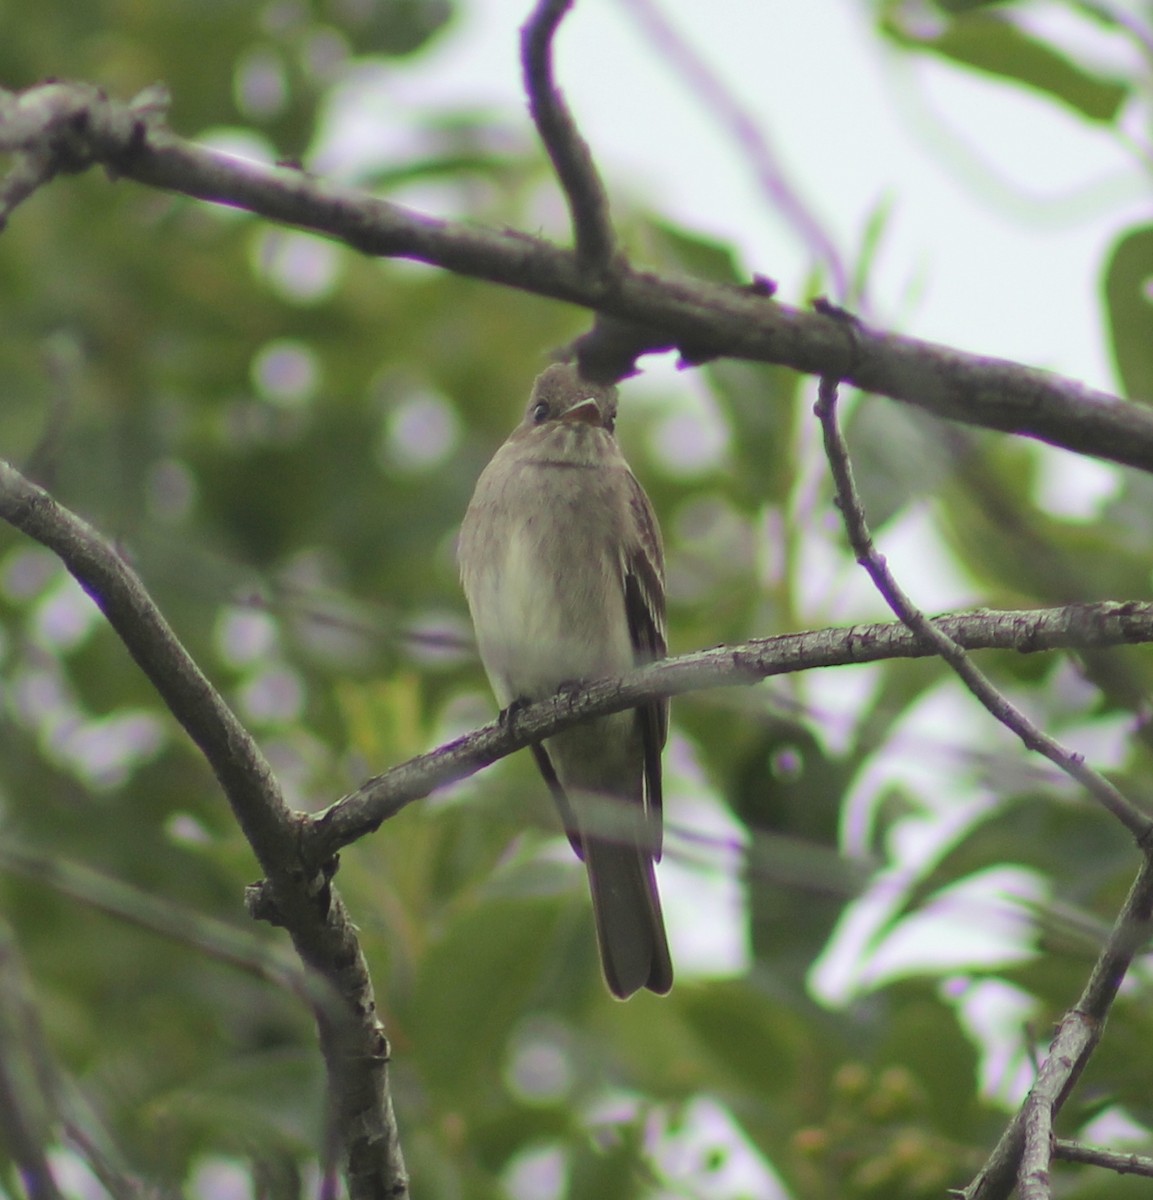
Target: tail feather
(630, 928)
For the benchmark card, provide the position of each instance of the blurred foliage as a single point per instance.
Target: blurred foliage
(996, 44)
(1126, 284)
(282, 436)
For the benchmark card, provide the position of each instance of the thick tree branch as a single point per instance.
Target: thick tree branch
(1074, 627)
(352, 1038)
(698, 317)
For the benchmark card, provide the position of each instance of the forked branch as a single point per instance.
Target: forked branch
(352, 1038)
(1024, 1155)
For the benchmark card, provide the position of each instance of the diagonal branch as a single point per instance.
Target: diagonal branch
(569, 152)
(1076, 1039)
(1139, 824)
(273, 963)
(689, 314)
(1077, 626)
(1026, 1149)
(27, 1081)
(352, 1038)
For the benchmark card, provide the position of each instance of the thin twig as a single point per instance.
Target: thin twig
(39, 1103)
(28, 1124)
(1139, 824)
(570, 155)
(1025, 1151)
(205, 935)
(352, 1039)
(1076, 1038)
(1097, 1156)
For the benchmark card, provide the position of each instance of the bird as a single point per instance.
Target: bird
(562, 566)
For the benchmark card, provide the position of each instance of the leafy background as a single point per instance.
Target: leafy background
(282, 436)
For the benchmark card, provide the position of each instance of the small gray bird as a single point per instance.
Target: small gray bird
(561, 562)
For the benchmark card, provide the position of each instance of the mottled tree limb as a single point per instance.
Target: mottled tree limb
(80, 125)
(848, 500)
(352, 1038)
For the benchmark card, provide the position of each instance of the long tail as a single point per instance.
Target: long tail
(627, 907)
(619, 860)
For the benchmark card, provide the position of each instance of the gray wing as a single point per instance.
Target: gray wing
(644, 588)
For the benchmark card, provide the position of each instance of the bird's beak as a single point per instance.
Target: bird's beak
(587, 411)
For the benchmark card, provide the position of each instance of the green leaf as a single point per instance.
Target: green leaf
(963, 6)
(996, 46)
(751, 1040)
(1127, 284)
(612, 1167)
(704, 257)
(1062, 840)
(924, 1036)
(763, 406)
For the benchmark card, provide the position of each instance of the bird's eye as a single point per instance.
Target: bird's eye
(610, 423)
(540, 412)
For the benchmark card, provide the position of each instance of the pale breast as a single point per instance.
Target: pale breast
(546, 590)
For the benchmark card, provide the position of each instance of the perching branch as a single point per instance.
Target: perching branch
(698, 317)
(378, 799)
(352, 1038)
(105, 576)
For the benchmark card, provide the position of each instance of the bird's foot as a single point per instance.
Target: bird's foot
(515, 708)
